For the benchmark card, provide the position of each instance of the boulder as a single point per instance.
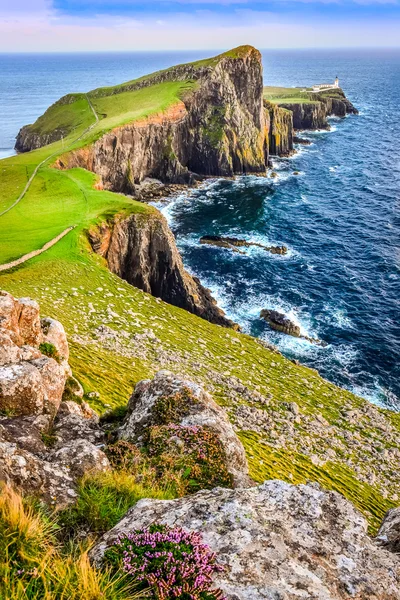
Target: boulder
(277, 541)
(76, 421)
(280, 322)
(54, 333)
(29, 322)
(31, 387)
(31, 475)
(81, 457)
(26, 432)
(30, 382)
(389, 532)
(199, 410)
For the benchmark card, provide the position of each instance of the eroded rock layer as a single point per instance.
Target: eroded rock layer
(141, 249)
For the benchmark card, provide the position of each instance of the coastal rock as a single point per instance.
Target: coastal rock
(277, 541)
(280, 322)
(142, 250)
(313, 114)
(279, 125)
(199, 410)
(234, 243)
(389, 532)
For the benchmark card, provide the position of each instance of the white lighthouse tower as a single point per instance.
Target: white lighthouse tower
(337, 82)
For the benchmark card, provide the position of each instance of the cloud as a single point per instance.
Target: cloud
(44, 25)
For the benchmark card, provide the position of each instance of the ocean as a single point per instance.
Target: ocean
(340, 217)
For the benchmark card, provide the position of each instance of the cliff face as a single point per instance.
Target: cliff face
(141, 249)
(218, 129)
(313, 115)
(279, 123)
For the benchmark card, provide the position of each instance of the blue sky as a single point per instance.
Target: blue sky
(73, 25)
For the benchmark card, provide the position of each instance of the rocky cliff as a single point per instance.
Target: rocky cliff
(141, 249)
(313, 115)
(218, 128)
(279, 124)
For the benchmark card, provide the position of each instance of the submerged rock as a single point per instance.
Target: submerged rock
(235, 243)
(280, 322)
(277, 541)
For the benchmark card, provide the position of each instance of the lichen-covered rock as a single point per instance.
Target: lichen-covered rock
(389, 532)
(81, 457)
(32, 475)
(30, 382)
(188, 405)
(31, 387)
(26, 432)
(76, 421)
(277, 541)
(20, 319)
(29, 322)
(54, 333)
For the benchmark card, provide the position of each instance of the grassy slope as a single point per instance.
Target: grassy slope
(144, 334)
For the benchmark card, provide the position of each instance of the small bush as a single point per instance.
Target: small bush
(195, 453)
(171, 409)
(124, 455)
(50, 350)
(171, 562)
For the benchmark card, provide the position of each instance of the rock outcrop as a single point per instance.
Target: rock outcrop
(46, 445)
(313, 114)
(233, 243)
(280, 322)
(279, 123)
(189, 406)
(277, 541)
(31, 383)
(141, 249)
(389, 532)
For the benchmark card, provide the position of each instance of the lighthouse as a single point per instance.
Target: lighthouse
(337, 82)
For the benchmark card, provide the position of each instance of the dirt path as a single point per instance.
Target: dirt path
(20, 261)
(32, 177)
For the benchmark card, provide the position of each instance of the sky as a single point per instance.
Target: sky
(123, 25)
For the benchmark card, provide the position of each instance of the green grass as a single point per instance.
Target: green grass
(34, 566)
(67, 114)
(281, 95)
(103, 501)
